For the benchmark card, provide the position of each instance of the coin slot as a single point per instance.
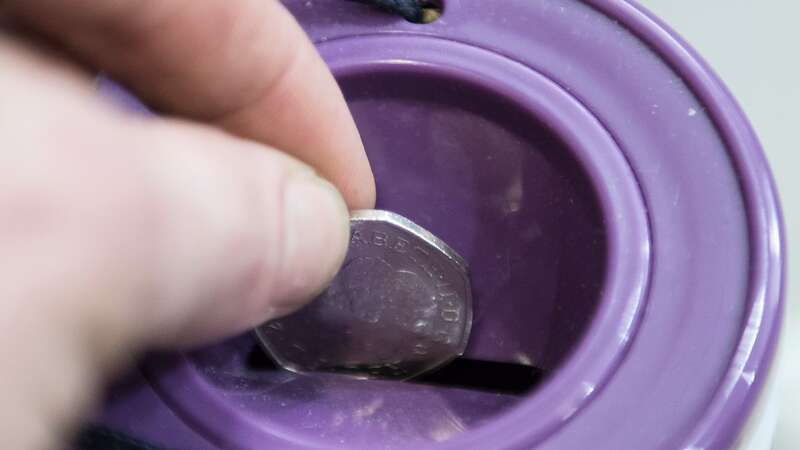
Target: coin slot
(487, 376)
(461, 373)
(258, 361)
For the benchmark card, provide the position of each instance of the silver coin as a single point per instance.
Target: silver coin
(400, 306)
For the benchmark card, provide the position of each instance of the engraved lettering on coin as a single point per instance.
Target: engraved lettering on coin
(400, 306)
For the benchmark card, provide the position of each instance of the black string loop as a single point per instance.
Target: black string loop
(417, 11)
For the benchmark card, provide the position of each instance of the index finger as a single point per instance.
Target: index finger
(245, 65)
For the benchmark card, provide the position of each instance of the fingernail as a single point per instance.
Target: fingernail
(316, 231)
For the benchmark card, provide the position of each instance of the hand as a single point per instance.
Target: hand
(118, 232)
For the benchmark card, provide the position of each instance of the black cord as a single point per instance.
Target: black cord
(98, 437)
(417, 11)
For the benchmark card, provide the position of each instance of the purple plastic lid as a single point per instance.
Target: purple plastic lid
(613, 204)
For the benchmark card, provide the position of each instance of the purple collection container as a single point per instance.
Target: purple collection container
(615, 207)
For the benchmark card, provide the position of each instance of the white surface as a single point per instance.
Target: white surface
(753, 46)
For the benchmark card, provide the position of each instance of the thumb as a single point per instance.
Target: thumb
(237, 233)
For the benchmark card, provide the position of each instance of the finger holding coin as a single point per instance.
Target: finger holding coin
(399, 307)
